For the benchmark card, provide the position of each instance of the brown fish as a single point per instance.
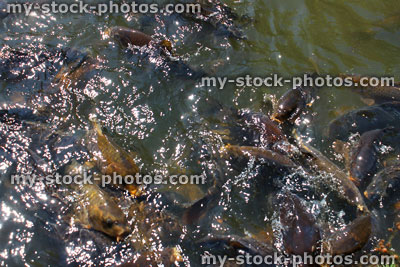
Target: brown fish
(250, 245)
(126, 36)
(339, 181)
(385, 186)
(115, 158)
(300, 231)
(352, 238)
(94, 208)
(364, 157)
(259, 153)
(291, 105)
(378, 93)
(110, 158)
(201, 207)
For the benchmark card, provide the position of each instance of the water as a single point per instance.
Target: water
(159, 114)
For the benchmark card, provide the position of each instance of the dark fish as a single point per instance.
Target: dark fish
(264, 129)
(365, 119)
(352, 238)
(39, 64)
(126, 36)
(339, 181)
(200, 208)
(385, 187)
(259, 154)
(292, 104)
(18, 115)
(300, 231)
(218, 15)
(364, 157)
(235, 243)
(379, 94)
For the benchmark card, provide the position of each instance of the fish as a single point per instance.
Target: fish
(259, 153)
(351, 238)
(292, 104)
(112, 159)
(385, 187)
(201, 207)
(94, 209)
(363, 157)
(219, 16)
(127, 37)
(300, 231)
(267, 131)
(130, 37)
(74, 69)
(365, 119)
(235, 242)
(379, 94)
(338, 181)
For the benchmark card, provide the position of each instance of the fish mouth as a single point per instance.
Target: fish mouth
(124, 232)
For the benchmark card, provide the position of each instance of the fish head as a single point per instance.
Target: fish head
(116, 228)
(119, 35)
(111, 222)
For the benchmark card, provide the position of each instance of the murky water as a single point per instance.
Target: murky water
(166, 118)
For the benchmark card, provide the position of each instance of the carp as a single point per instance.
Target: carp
(162, 50)
(292, 104)
(300, 231)
(379, 94)
(219, 16)
(111, 158)
(338, 181)
(350, 239)
(365, 119)
(258, 153)
(126, 37)
(385, 187)
(364, 157)
(94, 209)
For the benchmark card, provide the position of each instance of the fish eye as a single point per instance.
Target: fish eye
(109, 223)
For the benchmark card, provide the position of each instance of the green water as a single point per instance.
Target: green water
(155, 113)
